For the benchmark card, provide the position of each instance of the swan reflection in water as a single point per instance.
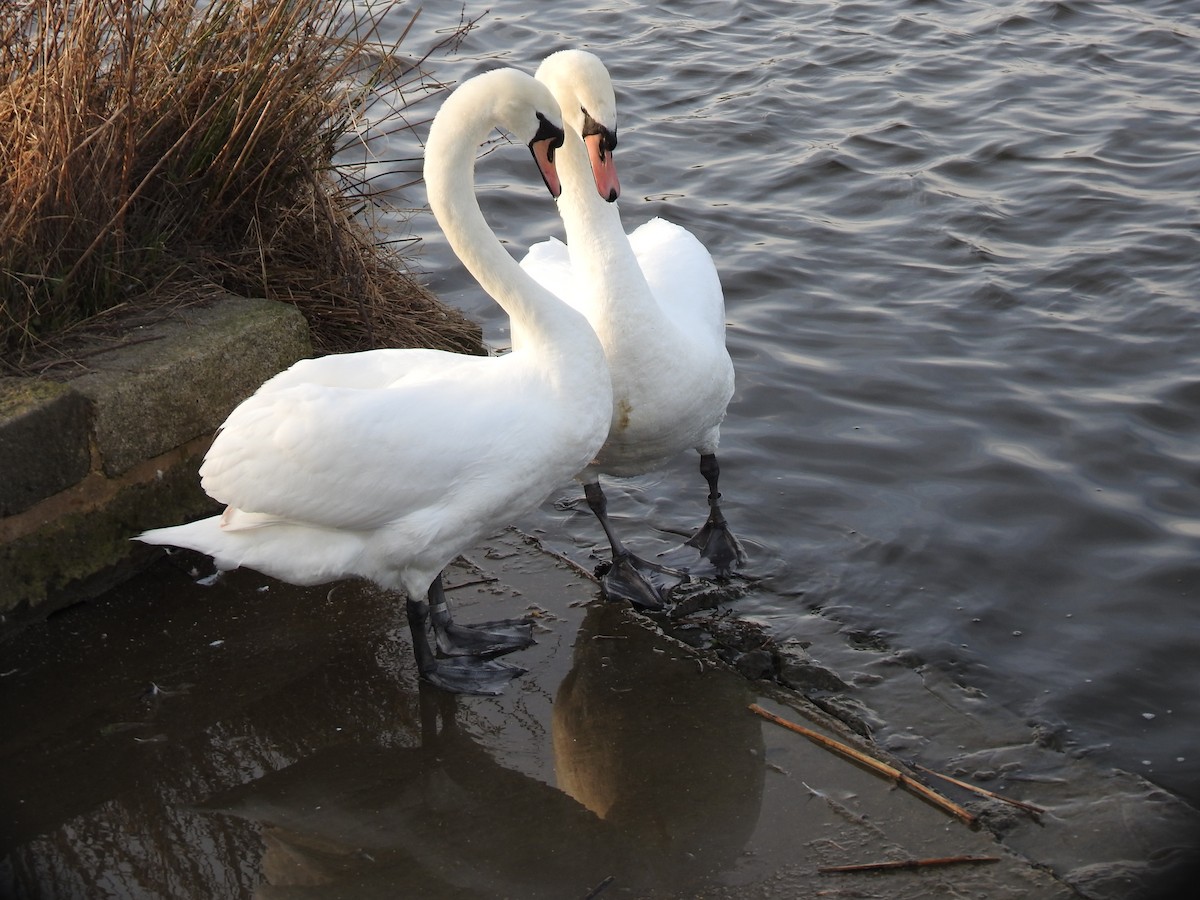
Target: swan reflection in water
(658, 747)
(661, 773)
(444, 819)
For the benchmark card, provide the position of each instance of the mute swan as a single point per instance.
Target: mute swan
(655, 301)
(389, 463)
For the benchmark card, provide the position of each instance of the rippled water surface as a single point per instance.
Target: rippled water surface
(960, 247)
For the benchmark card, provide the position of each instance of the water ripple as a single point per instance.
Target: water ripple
(960, 244)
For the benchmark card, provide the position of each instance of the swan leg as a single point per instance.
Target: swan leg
(714, 540)
(464, 675)
(629, 577)
(482, 640)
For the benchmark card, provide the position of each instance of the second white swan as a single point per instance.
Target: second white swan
(656, 303)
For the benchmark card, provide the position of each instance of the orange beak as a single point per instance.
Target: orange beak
(604, 167)
(543, 154)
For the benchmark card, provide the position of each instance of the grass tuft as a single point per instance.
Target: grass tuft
(155, 151)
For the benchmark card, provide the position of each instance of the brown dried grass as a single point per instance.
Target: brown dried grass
(154, 152)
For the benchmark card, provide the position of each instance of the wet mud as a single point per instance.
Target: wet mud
(251, 739)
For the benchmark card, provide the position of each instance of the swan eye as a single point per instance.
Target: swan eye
(608, 138)
(548, 131)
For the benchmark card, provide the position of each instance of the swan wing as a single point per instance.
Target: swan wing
(682, 277)
(351, 458)
(549, 263)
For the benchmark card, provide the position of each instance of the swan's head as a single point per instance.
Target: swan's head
(529, 112)
(511, 101)
(584, 91)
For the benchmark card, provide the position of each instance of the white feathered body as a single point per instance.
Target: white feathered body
(656, 305)
(653, 296)
(384, 464)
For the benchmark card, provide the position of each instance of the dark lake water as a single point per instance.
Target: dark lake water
(960, 248)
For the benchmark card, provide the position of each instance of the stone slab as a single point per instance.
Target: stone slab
(184, 376)
(87, 463)
(44, 429)
(81, 535)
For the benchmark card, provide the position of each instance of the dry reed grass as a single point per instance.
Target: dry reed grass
(153, 151)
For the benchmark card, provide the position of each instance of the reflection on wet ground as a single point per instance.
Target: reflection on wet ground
(657, 748)
(284, 744)
(251, 739)
(653, 788)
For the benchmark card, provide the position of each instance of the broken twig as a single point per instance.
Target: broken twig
(907, 864)
(1021, 804)
(595, 892)
(875, 765)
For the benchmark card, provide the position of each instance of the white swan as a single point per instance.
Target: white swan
(387, 464)
(655, 301)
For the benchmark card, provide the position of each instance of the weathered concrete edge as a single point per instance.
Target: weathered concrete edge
(91, 461)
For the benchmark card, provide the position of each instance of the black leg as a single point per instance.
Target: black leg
(466, 675)
(714, 540)
(598, 504)
(482, 640)
(418, 627)
(629, 577)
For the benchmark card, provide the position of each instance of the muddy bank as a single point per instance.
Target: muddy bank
(249, 739)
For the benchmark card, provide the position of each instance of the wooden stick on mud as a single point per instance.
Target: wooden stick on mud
(907, 864)
(1028, 807)
(595, 892)
(490, 579)
(875, 765)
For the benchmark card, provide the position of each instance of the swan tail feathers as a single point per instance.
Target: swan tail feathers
(295, 553)
(202, 535)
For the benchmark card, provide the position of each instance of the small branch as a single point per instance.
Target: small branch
(870, 762)
(907, 864)
(595, 892)
(491, 579)
(1021, 804)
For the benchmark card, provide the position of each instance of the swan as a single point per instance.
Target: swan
(387, 464)
(655, 300)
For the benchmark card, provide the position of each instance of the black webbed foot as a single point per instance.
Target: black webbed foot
(644, 584)
(485, 639)
(714, 540)
(471, 675)
(718, 545)
(466, 673)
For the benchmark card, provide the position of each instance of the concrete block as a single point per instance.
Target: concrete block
(87, 464)
(185, 376)
(44, 429)
(89, 531)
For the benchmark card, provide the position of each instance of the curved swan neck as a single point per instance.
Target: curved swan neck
(464, 122)
(584, 212)
(599, 248)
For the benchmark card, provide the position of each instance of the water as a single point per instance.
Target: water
(959, 245)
